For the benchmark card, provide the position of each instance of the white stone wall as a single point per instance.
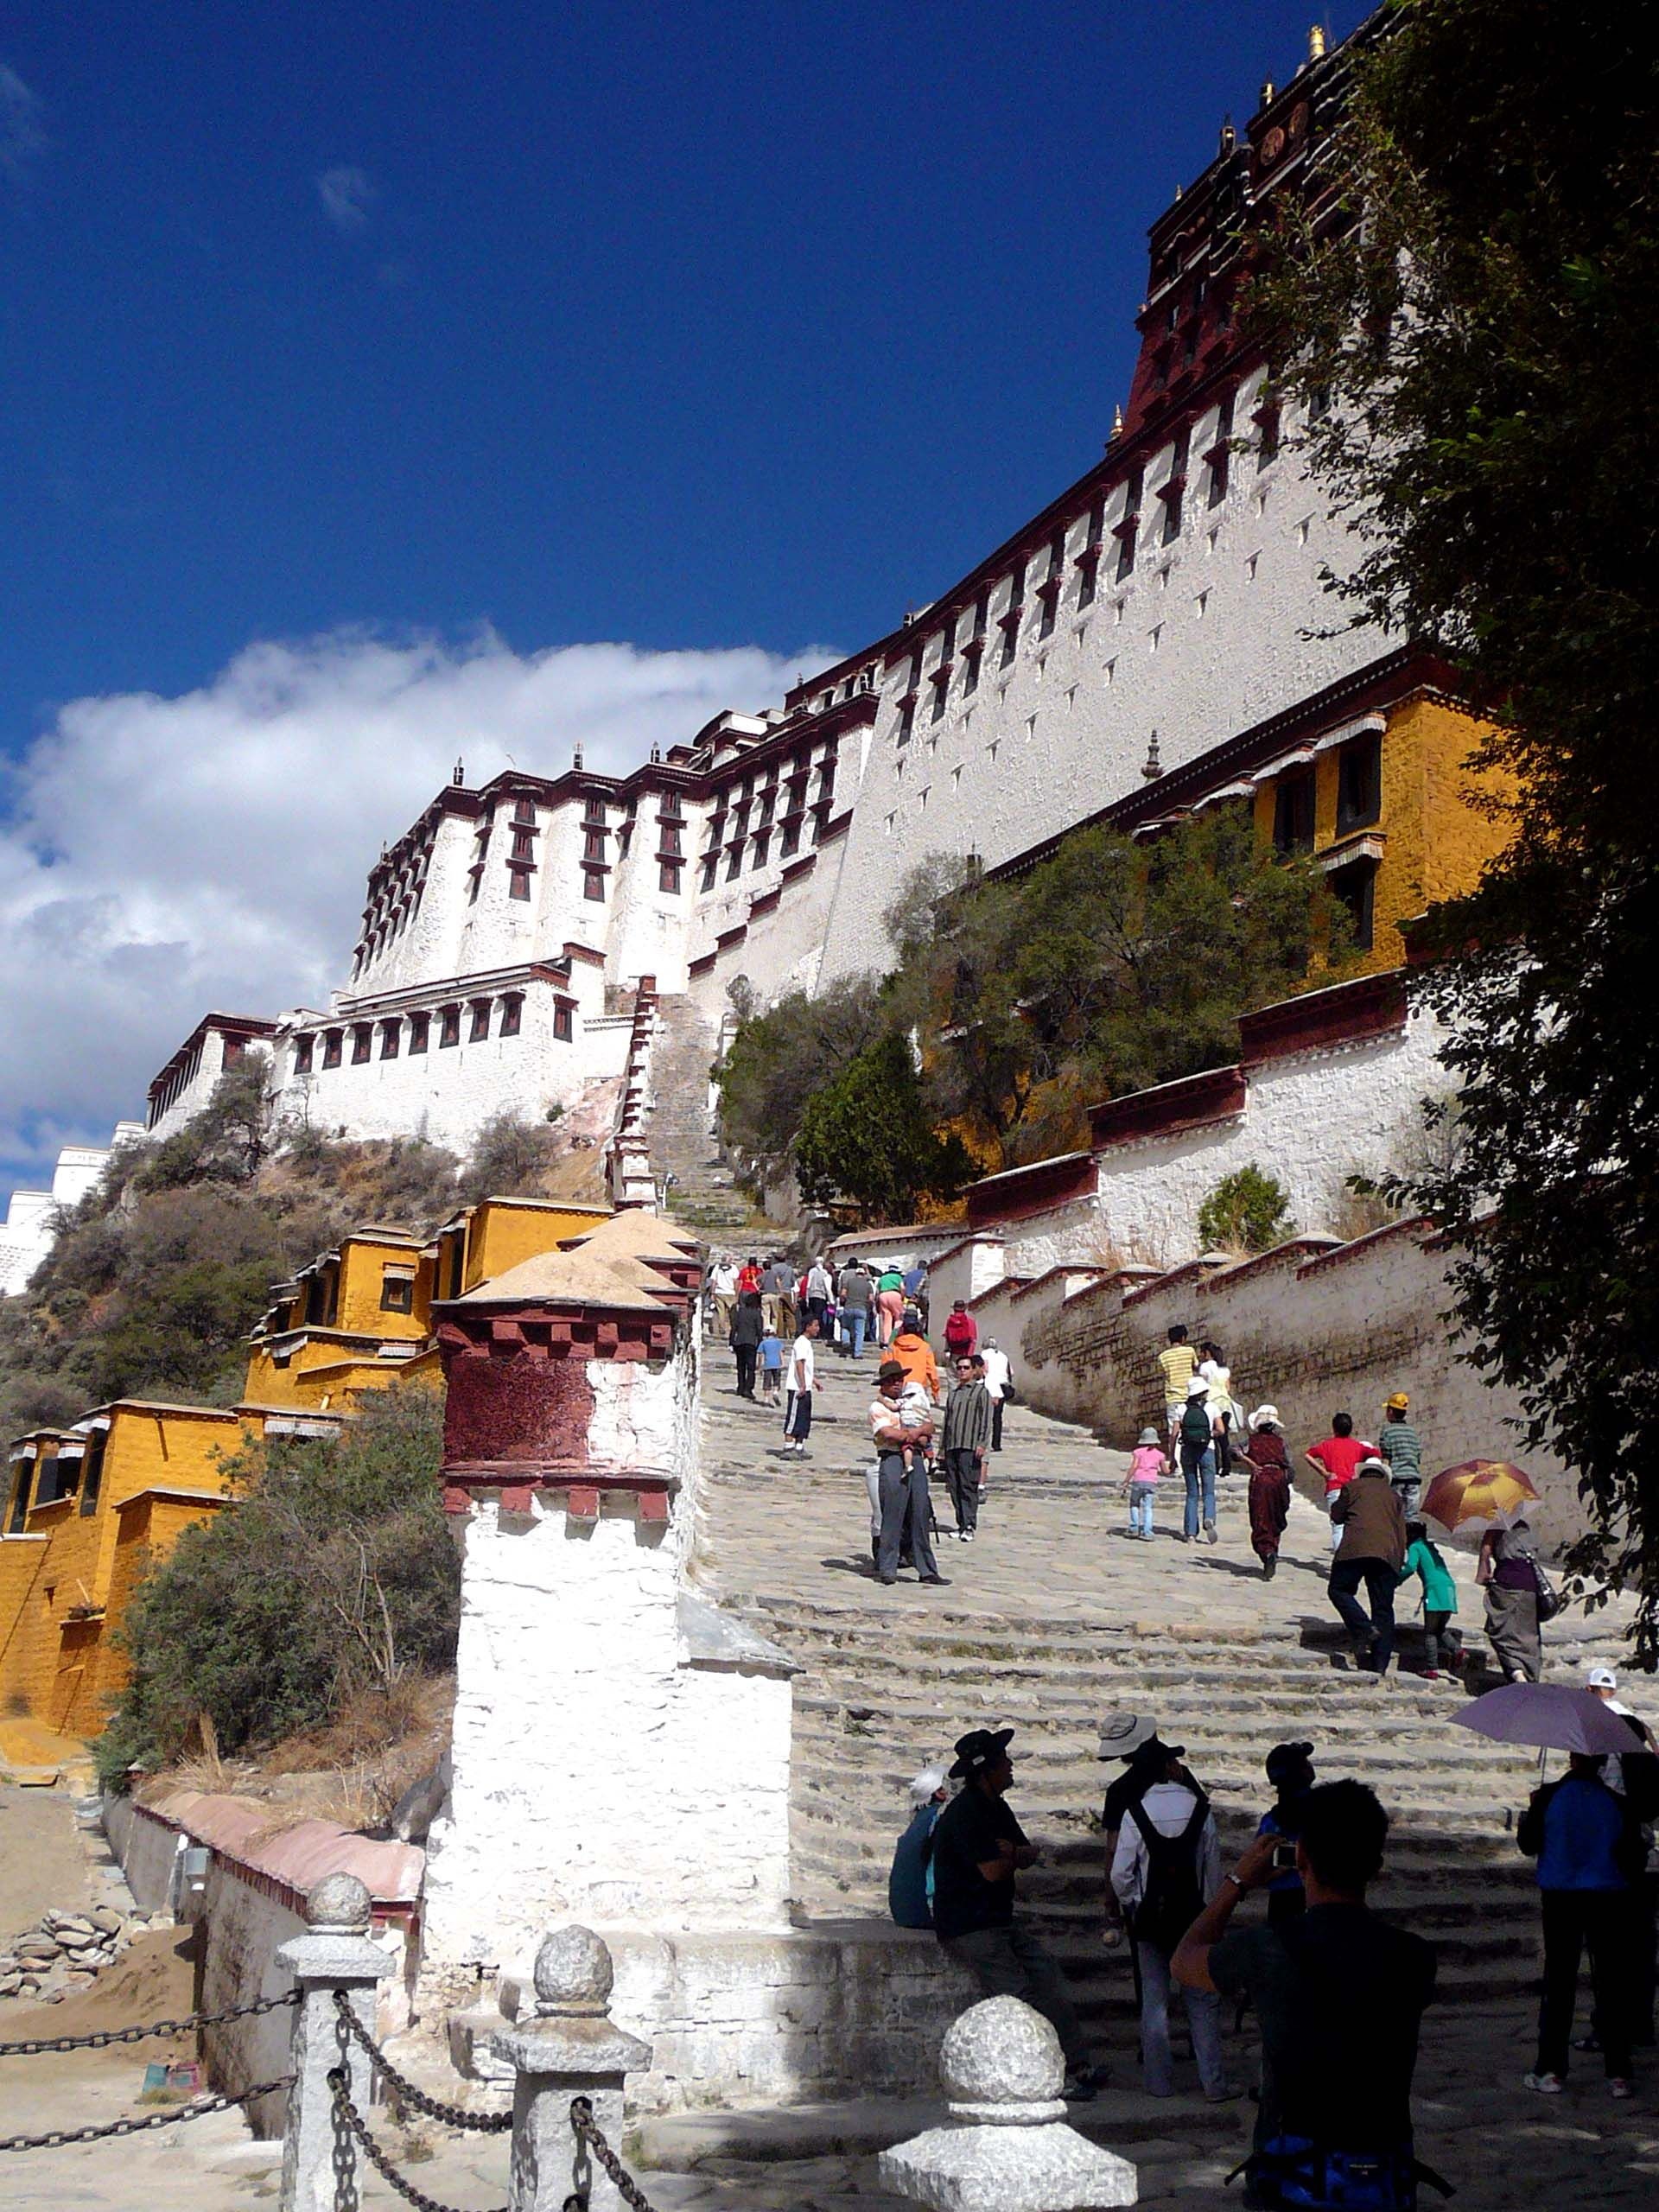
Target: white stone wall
(600, 1773)
(1206, 637)
(1310, 1120)
(30, 1224)
(446, 1092)
(199, 1091)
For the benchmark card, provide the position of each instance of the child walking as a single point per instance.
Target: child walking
(1443, 1646)
(772, 1367)
(1147, 1462)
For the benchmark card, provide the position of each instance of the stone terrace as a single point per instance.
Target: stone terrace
(1052, 1617)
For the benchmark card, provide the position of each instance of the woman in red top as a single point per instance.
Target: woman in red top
(960, 1332)
(1269, 1465)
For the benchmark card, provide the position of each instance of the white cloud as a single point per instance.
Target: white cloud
(346, 195)
(22, 133)
(160, 857)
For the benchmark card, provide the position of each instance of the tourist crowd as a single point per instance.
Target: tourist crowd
(1338, 1993)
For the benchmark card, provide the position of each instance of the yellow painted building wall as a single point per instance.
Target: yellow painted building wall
(60, 1669)
(501, 1234)
(363, 1263)
(323, 1364)
(1433, 841)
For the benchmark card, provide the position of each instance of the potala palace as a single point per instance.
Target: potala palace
(1155, 641)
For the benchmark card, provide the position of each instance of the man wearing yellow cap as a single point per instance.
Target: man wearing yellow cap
(1402, 1448)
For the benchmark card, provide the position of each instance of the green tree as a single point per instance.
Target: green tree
(868, 1135)
(1491, 420)
(1113, 965)
(1248, 1210)
(332, 1571)
(510, 1155)
(778, 1059)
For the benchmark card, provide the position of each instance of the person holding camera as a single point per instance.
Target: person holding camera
(1339, 1994)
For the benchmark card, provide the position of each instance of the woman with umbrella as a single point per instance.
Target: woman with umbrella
(1589, 1854)
(1491, 1496)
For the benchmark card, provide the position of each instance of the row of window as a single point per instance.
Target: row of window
(1360, 796)
(475, 1013)
(61, 1476)
(1129, 534)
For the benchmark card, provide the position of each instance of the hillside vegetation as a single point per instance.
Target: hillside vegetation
(155, 1279)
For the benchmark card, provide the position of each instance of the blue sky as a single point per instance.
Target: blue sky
(698, 327)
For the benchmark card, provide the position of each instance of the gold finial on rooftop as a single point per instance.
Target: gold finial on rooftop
(1316, 42)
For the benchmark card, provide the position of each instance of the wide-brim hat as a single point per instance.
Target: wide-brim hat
(1147, 1436)
(1122, 1734)
(980, 1748)
(1373, 1465)
(891, 1370)
(1262, 1414)
(1197, 1388)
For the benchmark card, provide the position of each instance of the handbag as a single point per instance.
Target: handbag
(1549, 1598)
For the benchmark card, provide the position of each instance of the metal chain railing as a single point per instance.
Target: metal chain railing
(587, 2132)
(477, 2123)
(55, 2138)
(101, 2038)
(349, 2127)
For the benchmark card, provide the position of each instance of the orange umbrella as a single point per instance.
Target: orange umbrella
(1485, 1493)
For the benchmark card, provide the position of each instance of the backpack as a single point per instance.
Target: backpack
(1195, 1422)
(1172, 1899)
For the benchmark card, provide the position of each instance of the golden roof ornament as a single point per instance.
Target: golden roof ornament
(1316, 42)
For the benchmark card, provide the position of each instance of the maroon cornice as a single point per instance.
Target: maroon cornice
(1346, 1013)
(1190, 1103)
(1021, 1191)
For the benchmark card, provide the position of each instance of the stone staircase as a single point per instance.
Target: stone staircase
(1069, 1619)
(703, 1194)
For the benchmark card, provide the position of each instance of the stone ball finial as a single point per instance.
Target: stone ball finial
(1001, 2060)
(573, 1972)
(338, 1901)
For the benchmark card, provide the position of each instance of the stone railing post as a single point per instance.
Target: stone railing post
(1007, 2147)
(335, 1955)
(567, 2048)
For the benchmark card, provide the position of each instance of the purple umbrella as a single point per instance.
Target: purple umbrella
(1549, 1715)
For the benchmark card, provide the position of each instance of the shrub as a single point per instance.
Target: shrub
(509, 1157)
(1247, 1210)
(331, 1572)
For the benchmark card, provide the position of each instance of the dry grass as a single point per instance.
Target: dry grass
(353, 1772)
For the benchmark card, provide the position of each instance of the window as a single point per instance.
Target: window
(517, 882)
(592, 810)
(303, 1049)
(524, 845)
(708, 868)
(448, 1026)
(1172, 491)
(1220, 454)
(512, 1015)
(1050, 588)
(1355, 886)
(19, 1520)
(1012, 614)
(396, 1291)
(668, 874)
(332, 1041)
(758, 858)
(419, 1025)
(668, 840)
(1266, 422)
(791, 840)
(734, 863)
(481, 1028)
(1359, 782)
(593, 845)
(592, 885)
(390, 1036)
(1088, 559)
(563, 1024)
(362, 1040)
(91, 1472)
(1292, 812)
(524, 810)
(1128, 528)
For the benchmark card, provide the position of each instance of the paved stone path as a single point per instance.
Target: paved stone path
(1052, 1615)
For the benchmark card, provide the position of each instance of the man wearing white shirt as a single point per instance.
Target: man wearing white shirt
(1165, 1869)
(803, 1382)
(722, 1284)
(999, 1374)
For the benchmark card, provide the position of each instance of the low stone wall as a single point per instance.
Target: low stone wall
(851, 2008)
(1317, 1327)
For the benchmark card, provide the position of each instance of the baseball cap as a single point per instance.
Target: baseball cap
(1397, 1403)
(1602, 1678)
